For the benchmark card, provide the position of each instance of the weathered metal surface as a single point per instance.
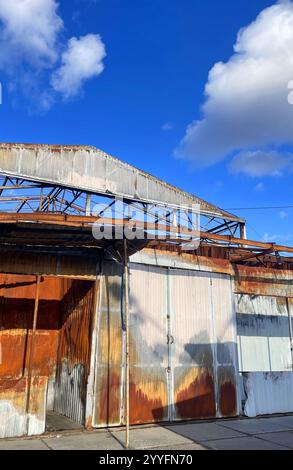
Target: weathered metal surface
(268, 393)
(19, 262)
(13, 418)
(110, 357)
(148, 345)
(225, 334)
(183, 261)
(16, 315)
(263, 333)
(193, 357)
(205, 360)
(73, 358)
(90, 169)
(263, 281)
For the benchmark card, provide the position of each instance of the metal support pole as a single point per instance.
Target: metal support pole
(29, 375)
(126, 303)
(243, 233)
(290, 329)
(88, 205)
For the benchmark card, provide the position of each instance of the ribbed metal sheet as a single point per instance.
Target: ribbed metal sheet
(108, 388)
(268, 393)
(14, 422)
(74, 349)
(205, 362)
(92, 170)
(148, 345)
(263, 333)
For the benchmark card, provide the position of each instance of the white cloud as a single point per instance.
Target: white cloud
(261, 163)
(35, 58)
(283, 214)
(278, 238)
(259, 187)
(29, 32)
(81, 61)
(167, 126)
(246, 99)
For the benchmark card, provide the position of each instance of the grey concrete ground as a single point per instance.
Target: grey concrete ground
(273, 433)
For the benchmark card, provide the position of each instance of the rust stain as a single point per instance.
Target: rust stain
(109, 361)
(76, 327)
(227, 399)
(263, 281)
(148, 400)
(227, 391)
(110, 396)
(195, 395)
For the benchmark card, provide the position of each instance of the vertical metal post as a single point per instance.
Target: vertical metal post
(243, 233)
(88, 205)
(126, 303)
(35, 319)
(290, 330)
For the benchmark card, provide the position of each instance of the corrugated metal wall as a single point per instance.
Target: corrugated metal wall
(183, 359)
(62, 344)
(263, 302)
(74, 349)
(108, 403)
(263, 333)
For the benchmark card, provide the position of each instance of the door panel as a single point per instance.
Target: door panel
(148, 344)
(193, 349)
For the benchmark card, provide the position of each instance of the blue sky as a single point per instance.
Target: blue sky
(137, 101)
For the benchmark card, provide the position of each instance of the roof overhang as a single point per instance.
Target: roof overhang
(94, 171)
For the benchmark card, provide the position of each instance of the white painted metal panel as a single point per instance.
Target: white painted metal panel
(268, 393)
(263, 333)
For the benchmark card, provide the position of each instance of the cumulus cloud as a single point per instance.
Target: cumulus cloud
(37, 61)
(261, 163)
(246, 99)
(29, 32)
(81, 61)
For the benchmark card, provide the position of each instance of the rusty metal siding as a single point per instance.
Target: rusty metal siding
(205, 359)
(263, 281)
(14, 422)
(16, 315)
(193, 357)
(263, 333)
(74, 349)
(225, 334)
(108, 390)
(148, 345)
(48, 265)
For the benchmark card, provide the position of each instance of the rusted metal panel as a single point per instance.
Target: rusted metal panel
(263, 333)
(205, 359)
(74, 349)
(183, 261)
(48, 265)
(225, 339)
(268, 393)
(16, 314)
(109, 364)
(148, 345)
(13, 418)
(263, 281)
(193, 358)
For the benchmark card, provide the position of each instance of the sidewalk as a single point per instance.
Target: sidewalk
(273, 433)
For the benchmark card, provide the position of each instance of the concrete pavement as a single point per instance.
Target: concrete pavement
(272, 433)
